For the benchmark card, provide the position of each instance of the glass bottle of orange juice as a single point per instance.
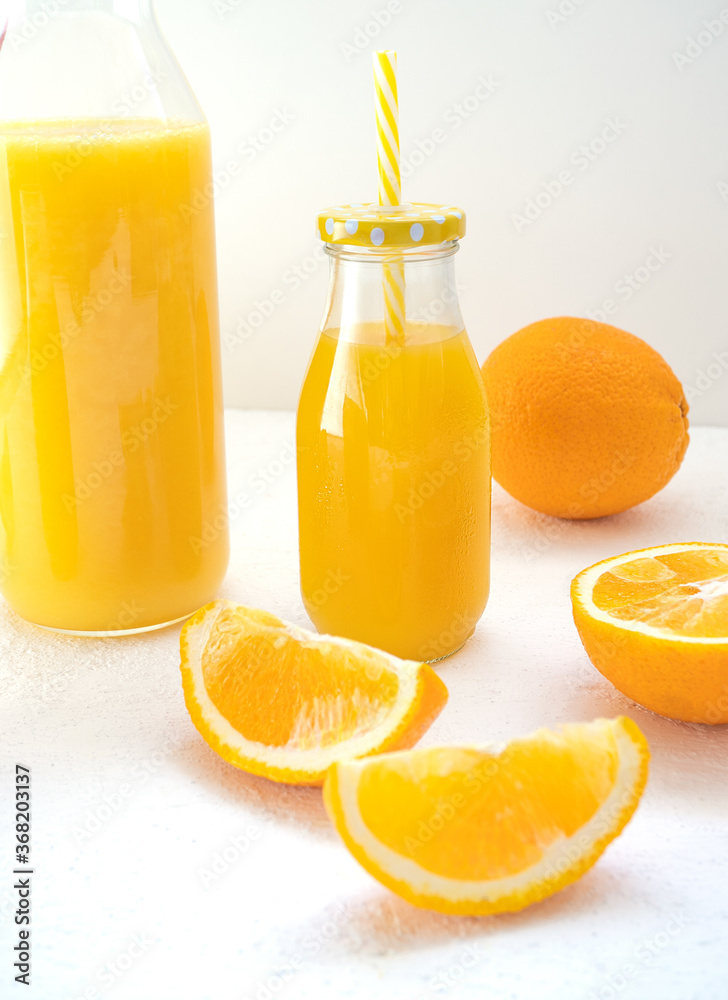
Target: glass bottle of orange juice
(112, 482)
(393, 440)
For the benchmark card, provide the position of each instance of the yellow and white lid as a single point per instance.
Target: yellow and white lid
(400, 226)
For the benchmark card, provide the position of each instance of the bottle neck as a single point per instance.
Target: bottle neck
(130, 10)
(357, 281)
(89, 59)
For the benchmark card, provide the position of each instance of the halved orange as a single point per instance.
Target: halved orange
(655, 623)
(277, 700)
(474, 830)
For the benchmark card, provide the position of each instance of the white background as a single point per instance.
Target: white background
(560, 77)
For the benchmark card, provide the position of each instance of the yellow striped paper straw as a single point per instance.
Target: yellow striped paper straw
(385, 88)
(390, 184)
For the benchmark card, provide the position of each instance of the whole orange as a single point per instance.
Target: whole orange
(587, 420)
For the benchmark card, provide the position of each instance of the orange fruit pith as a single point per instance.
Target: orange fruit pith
(655, 623)
(285, 703)
(472, 830)
(586, 419)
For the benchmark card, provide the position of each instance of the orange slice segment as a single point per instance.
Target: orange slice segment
(279, 701)
(655, 623)
(474, 830)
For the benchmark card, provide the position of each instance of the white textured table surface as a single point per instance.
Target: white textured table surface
(140, 894)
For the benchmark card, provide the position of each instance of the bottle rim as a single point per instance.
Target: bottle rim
(379, 255)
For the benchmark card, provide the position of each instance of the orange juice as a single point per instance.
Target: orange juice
(112, 485)
(394, 489)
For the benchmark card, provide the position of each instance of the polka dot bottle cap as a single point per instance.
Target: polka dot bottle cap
(401, 226)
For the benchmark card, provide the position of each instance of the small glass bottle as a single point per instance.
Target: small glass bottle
(112, 476)
(393, 440)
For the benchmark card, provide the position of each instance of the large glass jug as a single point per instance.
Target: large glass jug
(112, 481)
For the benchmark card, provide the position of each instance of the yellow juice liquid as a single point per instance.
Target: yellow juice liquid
(112, 485)
(394, 490)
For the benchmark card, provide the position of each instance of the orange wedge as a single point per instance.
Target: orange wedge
(473, 830)
(279, 701)
(655, 623)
